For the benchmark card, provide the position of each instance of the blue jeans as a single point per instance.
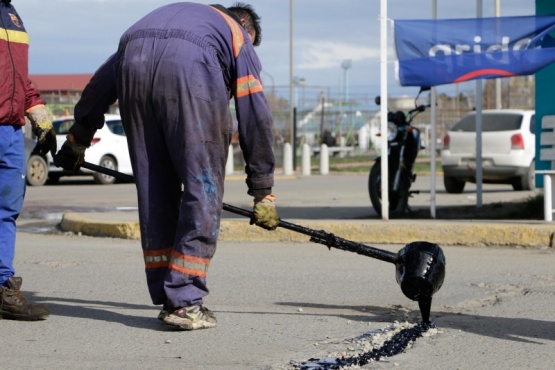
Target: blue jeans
(12, 193)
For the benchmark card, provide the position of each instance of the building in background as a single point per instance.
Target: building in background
(61, 92)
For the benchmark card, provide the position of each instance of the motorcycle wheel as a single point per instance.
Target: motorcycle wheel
(398, 201)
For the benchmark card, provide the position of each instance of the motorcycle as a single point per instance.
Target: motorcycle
(403, 144)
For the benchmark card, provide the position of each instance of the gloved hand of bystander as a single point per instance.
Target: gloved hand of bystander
(43, 130)
(71, 156)
(265, 213)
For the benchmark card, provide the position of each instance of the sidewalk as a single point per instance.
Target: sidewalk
(339, 205)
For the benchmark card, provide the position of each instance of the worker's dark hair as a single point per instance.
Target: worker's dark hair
(252, 19)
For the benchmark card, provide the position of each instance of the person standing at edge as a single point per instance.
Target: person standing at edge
(173, 75)
(18, 99)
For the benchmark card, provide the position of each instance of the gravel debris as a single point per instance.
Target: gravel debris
(369, 347)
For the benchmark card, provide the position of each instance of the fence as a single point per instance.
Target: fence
(339, 118)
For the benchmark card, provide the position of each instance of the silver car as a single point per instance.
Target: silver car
(508, 150)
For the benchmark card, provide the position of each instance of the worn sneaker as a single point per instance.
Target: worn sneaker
(164, 312)
(191, 318)
(14, 306)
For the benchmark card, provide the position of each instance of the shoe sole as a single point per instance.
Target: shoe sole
(188, 325)
(8, 316)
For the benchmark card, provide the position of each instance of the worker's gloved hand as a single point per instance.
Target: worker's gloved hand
(43, 130)
(265, 213)
(71, 156)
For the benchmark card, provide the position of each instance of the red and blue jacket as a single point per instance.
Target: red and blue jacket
(17, 93)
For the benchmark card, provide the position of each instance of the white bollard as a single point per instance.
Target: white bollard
(342, 143)
(363, 138)
(305, 164)
(324, 160)
(547, 198)
(287, 159)
(229, 165)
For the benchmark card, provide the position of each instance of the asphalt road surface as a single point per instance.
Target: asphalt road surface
(312, 197)
(278, 305)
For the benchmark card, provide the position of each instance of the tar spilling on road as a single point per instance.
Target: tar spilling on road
(399, 339)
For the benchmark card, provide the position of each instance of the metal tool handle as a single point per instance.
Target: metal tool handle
(316, 236)
(108, 171)
(328, 239)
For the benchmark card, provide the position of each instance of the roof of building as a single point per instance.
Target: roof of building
(62, 82)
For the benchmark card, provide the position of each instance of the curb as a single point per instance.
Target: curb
(76, 223)
(467, 233)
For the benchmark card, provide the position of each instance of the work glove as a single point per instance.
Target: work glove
(265, 213)
(43, 130)
(71, 156)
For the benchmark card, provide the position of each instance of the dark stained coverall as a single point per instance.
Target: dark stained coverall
(174, 74)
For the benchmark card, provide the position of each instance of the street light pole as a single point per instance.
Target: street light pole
(296, 82)
(291, 78)
(346, 64)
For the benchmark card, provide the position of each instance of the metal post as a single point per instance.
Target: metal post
(498, 103)
(479, 93)
(433, 136)
(291, 82)
(384, 107)
(346, 64)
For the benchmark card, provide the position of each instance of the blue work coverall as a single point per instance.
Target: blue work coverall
(174, 74)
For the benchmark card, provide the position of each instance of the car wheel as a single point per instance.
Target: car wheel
(37, 171)
(526, 181)
(452, 185)
(108, 162)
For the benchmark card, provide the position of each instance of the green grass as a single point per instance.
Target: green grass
(315, 160)
(358, 164)
(362, 164)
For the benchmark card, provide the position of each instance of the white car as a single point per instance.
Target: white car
(108, 149)
(508, 150)
(37, 169)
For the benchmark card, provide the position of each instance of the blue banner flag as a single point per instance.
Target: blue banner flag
(437, 52)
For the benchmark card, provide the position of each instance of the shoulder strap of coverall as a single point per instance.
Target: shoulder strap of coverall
(238, 39)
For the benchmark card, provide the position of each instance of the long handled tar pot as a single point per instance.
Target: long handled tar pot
(420, 266)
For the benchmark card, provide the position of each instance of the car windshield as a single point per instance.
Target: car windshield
(490, 122)
(62, 127)
(116, 127)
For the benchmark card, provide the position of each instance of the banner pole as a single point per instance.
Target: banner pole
(384, 109)
(433, 139)
(479, 93)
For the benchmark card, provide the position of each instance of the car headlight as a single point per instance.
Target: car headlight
(391, 131)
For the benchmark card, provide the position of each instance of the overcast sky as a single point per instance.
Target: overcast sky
(76, 36)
